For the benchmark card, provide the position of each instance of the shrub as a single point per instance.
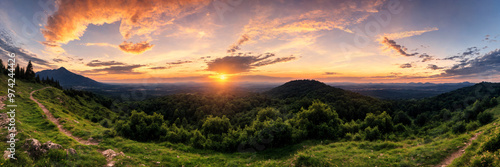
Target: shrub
(320, 121)
(493, 144)
(372, 133)
(216, 125)
(421, 119)
(472, 126)
(459, 127)
(267, 113)
(485, 117)
(402, 117)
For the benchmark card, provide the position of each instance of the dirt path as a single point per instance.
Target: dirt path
(55, 121)
(457, 153)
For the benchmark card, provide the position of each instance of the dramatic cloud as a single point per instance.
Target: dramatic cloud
(425, 57)
(159, 68)
(97, 63)
(124, 69)
(7, 46)
(236, 46)
(59, 60)
(101, 44)
(406, 34)
(243, 63)
(277, 60)
(136, 17)
(137, 48)
(407, 65)
(398, 48)
(472, 51)
(303, 20)
(486, 64)
(330, 73)
(434, 67)
(178, 62)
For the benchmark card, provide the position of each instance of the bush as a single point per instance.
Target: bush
(320, 121)
(421, 119)
(493, 144)
(472, 126)
(382, 121)
(485, 117)
(402, 117)
(267, 113)
(459, 127)
(372, 133)
(216, 125)
(485, 160)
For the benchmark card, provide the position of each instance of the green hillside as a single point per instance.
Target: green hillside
(85, 117)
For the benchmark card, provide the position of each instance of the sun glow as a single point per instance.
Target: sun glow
(222, 77)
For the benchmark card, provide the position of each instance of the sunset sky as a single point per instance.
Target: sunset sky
(257, 40)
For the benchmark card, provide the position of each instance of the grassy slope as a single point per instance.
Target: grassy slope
(31, 123)
(473, 152)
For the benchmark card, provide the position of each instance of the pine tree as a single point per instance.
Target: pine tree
(21, 74)
(2, 67)
(37, 79)
(29, 74)
(17, 71)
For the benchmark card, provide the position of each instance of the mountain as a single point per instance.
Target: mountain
(396, 91)
(68, 79)
(348, 104)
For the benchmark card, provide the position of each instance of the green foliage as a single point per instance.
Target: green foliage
(485, 117)
(422, 119)
(459, 127)
(142, 127)
(382, 121)
(371, 133)
(493, 144)
(402, 117)
(320, 121)
(268, 113)
(216, 125)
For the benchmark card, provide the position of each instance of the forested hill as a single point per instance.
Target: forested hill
(482, 94)
(349, 105)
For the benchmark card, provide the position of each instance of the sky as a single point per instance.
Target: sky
(155, 41)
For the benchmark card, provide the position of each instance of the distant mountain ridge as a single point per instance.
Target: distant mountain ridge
(68, 79)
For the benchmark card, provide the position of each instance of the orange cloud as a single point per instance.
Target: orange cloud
(266, 26)
(137, 17)
(243, 63)
(137, 48)
(244, 38)
(406, 34)
(398, 48)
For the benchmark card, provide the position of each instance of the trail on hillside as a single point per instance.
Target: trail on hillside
(447, 161)
(55, 121)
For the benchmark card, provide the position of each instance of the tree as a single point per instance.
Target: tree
(267, 113)
(320, 121)
(216, 125)
(2, 67)
(402, 117)
(29, 74)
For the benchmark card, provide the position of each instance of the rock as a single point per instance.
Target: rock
(110, 154)
(71, 151)
(6, 155)
(34, 147)
(49, 146)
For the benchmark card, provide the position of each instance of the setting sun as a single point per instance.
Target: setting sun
(222, 77)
